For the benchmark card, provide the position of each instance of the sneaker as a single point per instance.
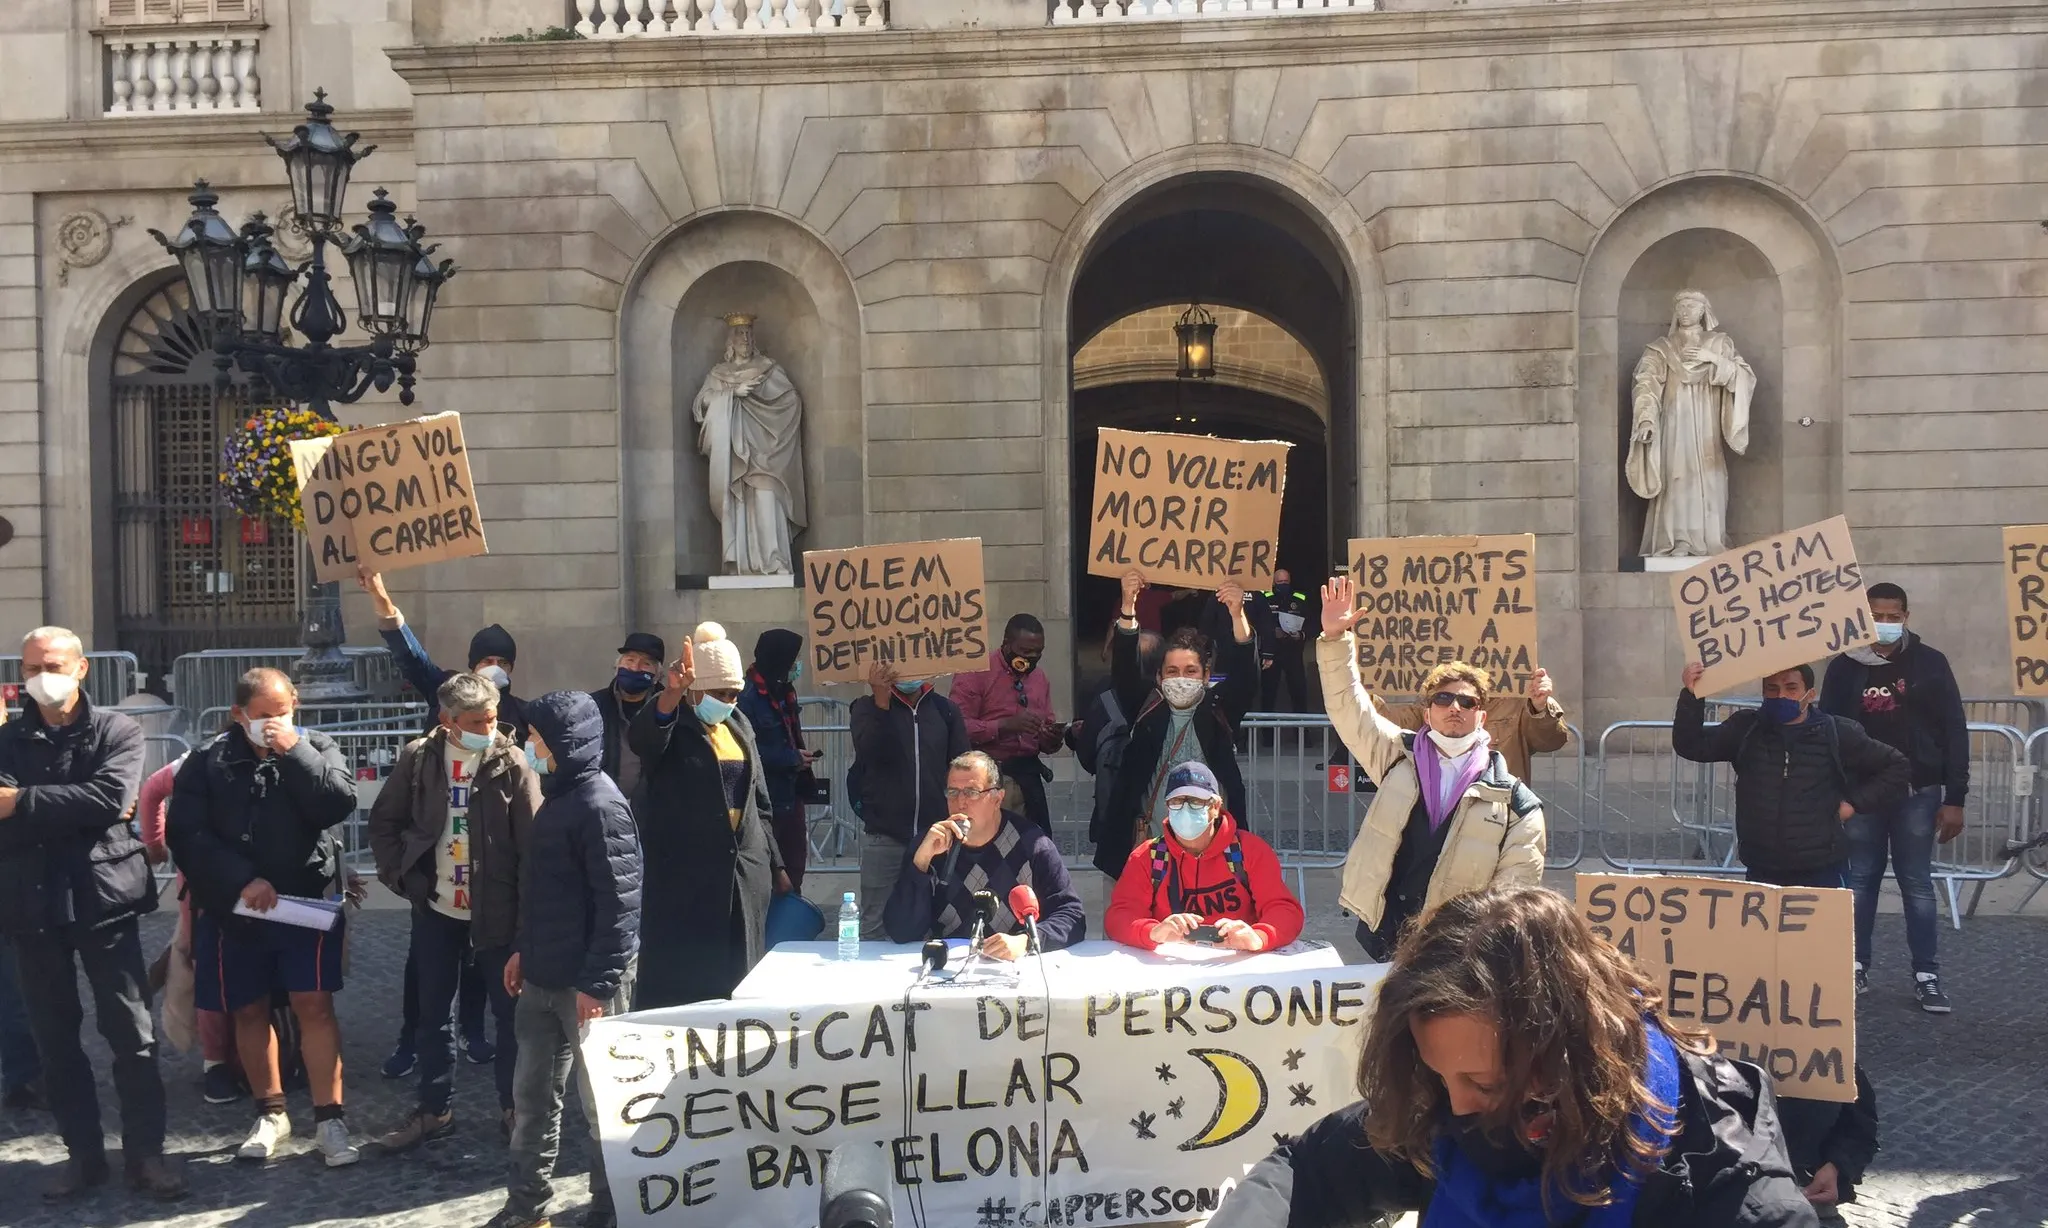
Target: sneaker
(508, 1218)
(156, 1177)
(331, 1136)
(401, 1062)
(271, 1130)
(1862, 980)
(420, 1127)
(1927, 988)
(479, 1051)
(221, 1085)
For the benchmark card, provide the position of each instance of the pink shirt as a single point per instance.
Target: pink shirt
(989, 698)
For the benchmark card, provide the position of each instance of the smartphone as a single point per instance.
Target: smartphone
(1206, 934)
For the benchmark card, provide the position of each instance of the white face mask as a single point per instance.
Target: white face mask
(258, 729)
(496, 675)
(1183, 692)
(1455, 747)
(51, 690)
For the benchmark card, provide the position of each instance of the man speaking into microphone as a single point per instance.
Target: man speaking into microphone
(1000, 850)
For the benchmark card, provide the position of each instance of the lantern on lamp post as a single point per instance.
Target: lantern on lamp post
(1196, 335)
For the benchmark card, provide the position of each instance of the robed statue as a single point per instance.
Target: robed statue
(1692, 394)
(749, 426)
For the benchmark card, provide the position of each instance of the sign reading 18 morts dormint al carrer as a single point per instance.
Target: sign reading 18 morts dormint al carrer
(1187, 510)
(1788, 600)
(1432, 600)
(392, 496)
(917, 607)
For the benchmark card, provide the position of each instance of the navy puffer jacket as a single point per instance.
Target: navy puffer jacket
(579, 925)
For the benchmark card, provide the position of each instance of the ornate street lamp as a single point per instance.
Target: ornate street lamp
(239, 283)
(1196, 334)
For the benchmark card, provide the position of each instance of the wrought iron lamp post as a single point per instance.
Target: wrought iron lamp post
(239, 283)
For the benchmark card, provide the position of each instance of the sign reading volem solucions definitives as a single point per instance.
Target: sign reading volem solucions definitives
(918, 607)
(392, 496)
(1430, 600)
(1770, 971)
(1788, 600)
(2026, 606)
(1188, 510)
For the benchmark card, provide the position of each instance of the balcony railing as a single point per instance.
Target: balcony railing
(1075, 12)
(678, 18)
(167, 70)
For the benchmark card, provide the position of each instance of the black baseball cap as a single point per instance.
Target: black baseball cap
(641, 641)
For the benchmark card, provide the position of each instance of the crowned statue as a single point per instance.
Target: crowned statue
(1691, 395)
(749, 427)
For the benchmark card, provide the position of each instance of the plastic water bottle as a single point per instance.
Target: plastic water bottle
(849, 927)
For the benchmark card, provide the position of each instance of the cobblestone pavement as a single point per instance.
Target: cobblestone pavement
(1962, 1101)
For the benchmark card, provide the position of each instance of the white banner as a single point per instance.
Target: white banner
(1138, 1090)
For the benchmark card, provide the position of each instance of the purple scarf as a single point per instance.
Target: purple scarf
(1429, 772)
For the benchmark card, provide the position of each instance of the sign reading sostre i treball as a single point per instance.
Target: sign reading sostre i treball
(918, 607)
(1188, 510)
(1788, 600)
(1769, 970)
(1431, 600)
(392, 496)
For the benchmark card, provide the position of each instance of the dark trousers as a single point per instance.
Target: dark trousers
(20, 1065)
(48, 962)
(1029, 773)
(1830, 876)
(441, 952)
(548, 1035)
(471, 997)
(1286, 666)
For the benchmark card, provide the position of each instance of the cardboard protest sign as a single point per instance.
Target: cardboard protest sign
(1186, 510)
(994, 1105)
(392, 496)
(917, 606)
(1769, 970)
(2026, 606)
(1784, 601)
(1429, 600)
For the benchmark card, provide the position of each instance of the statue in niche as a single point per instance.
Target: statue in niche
(749, 426)
(1691, 393)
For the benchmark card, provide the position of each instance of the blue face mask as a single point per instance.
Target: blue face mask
(540, 766)
(1779, 711)
(1189, 820)
(796, 671)
(633, 681)
(472, 741)
(909, 690)
(1889, 633)
(712, 711)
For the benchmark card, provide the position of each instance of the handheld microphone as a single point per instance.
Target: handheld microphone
(960, 829)
(1024, 903)
(855, 1189)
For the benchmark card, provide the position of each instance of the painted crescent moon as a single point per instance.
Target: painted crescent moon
(1240, 1102)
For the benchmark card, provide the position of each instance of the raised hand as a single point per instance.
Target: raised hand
(1232, 597)
(1134, 583)
(1340, 605)
(682, 674)
(1690, 679)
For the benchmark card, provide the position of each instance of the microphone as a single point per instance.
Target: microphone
(960, 829)
(1024, 903)
(934, 959)
(984, 918)
(854, 1193)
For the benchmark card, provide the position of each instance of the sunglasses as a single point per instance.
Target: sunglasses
(1444, 699)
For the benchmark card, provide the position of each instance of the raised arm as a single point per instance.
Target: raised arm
(1372, 739)
(1692, 738)
(406, 650)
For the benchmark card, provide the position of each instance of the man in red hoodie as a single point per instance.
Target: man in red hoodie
(1203, 872)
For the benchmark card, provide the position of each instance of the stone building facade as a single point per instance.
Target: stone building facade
(1469, 218)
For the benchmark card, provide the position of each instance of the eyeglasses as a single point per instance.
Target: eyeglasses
(955, 795)
(1444, 699)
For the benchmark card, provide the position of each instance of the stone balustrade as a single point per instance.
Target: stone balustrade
(1075, 12)
(171, 71)
(676, 18)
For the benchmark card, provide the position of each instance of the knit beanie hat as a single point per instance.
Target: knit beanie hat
(717, 660)
(492, 641)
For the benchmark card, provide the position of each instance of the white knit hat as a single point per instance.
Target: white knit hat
(717, 660)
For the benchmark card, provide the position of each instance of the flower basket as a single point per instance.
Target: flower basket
(256, 461)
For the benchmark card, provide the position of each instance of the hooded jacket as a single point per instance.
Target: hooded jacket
(900, 753)
(1205, 884)
(1940, 750)
(66, 855)
(235, 817)
(410, 816)
(1728, 1168)
(1114, 827)
(579, 917)
(1790, 781)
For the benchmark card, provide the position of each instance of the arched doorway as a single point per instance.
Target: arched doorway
(189, 571)
(1236, 243)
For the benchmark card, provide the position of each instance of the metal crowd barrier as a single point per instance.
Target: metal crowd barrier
(2033, 814)
(111, 677)
(205, 680)
(332, 718)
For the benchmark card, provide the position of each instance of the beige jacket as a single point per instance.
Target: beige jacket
(1496, 836)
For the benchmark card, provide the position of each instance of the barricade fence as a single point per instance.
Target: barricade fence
(110, 677)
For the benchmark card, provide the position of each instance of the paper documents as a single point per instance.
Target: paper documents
(297, 910)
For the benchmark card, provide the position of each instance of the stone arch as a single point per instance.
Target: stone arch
(717, 261)
(1362, 381)
(1262, 356)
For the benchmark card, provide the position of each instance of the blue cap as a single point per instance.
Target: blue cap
(1193, 780)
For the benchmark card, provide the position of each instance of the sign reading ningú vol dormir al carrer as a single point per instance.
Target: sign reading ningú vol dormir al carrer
(918, 607)
(1432, 600)
(1788, 600)
(998, 1106)
(1187, 510)
(393, 496)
